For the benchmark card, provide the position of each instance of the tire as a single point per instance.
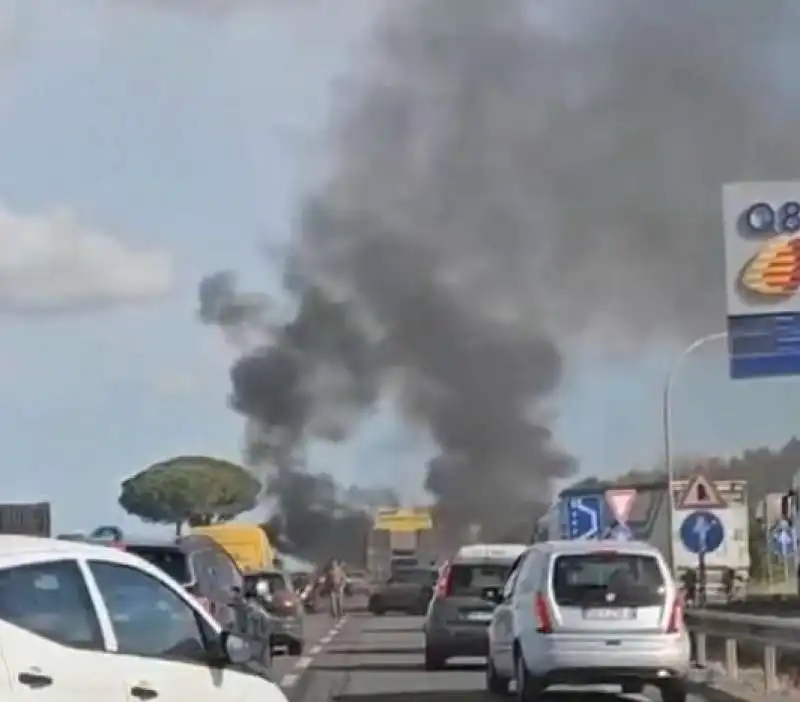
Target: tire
(434, 660)
(295, 648)
(495, 683)
(376, 607)
(674, 692)
(528, 688)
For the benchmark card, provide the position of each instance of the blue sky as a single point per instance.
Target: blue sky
(144, 148)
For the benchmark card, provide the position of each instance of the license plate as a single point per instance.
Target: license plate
(612, 614)
(479, 616)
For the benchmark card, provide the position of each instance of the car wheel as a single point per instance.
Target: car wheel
(295, 648)
(495, 683)
(376, 607)
(434, 660)
(528, 688)
(674, 692)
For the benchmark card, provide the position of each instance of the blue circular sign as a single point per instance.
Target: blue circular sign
(702, 532)
(782, 540)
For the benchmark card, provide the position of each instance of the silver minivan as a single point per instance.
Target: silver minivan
(466, 594)
(589, 613)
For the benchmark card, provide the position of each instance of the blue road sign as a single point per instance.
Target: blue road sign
(702, 532)
(782, 540)
(584, 516)
(619, 532)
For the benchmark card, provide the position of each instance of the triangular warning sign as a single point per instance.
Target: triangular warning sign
(620, 502)
(700, 493)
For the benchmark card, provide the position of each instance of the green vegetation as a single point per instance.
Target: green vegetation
(193, 490)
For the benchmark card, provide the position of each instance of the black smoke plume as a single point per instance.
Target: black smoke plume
(510, 173)
(297, 380)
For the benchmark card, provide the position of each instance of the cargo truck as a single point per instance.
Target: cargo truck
(649, 521)
(29, 519)
(389, 551)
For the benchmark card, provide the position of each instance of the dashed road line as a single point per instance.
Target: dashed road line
(290, 679)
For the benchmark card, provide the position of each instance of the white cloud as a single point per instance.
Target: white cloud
(52, 263)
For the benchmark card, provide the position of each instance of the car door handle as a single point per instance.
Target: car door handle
(35, 680)
(143, 693)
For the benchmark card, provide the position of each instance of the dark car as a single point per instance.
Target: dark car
(284, 607)
(357, 582)
(207, 571)
(407, 590)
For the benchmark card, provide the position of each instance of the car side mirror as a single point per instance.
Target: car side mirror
(235, 648)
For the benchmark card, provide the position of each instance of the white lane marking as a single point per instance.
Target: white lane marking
(303, 663)
(289, 680)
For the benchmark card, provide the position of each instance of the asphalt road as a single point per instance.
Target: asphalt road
(286, 669)
(379, 659)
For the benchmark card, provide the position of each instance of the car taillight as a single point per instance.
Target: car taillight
(675, 621)
(444, 584)
(542, 614)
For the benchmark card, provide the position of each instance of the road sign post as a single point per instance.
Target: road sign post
(702, 533)
(783, 543)
(761, 221)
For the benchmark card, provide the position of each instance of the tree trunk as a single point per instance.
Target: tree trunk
(178, 529)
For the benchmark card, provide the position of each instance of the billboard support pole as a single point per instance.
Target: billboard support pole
(666, 416)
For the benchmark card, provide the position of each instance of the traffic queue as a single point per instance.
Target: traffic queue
(577, 613)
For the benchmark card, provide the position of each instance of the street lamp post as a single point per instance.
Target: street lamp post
(666, 414)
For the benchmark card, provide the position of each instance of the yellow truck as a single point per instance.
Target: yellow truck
(247, 544)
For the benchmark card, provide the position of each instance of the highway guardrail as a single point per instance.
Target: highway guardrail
(767, 634)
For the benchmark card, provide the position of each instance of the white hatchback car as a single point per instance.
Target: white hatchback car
(87, 622)
(589, 613)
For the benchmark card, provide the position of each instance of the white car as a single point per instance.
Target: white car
(86, 622)
(589, 613)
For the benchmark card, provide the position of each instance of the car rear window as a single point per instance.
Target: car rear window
(420, 576)
(404, 562)
(171, 560)
(275, 581)
(467, 579)
(608, 579)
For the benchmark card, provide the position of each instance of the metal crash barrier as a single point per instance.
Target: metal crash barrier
(769, 635)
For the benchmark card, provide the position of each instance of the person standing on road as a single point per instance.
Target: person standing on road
(335, 587)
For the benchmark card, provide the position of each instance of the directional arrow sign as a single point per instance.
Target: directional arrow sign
(583, 517)
(702, 532)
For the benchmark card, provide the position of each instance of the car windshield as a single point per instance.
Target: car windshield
(472, 579)
(603, 579)
(275, 581)
(170, 559)
(300, 580)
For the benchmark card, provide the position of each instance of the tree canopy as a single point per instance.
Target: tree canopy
(196, 490)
